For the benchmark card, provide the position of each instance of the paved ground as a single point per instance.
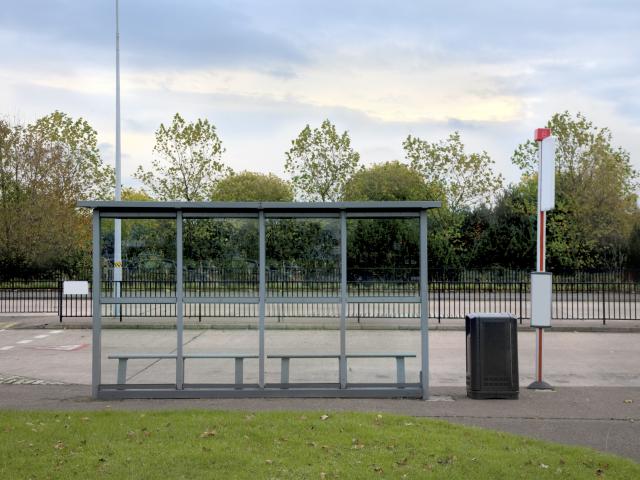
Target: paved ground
(597, 375)
(571, 358)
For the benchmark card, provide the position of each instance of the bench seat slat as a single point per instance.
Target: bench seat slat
(221, 355)
(337, 355)
(141, 355)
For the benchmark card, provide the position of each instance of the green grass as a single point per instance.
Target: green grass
(197, 444)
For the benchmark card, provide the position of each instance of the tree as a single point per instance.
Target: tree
(385, 248)
(76, 166)
(130, 194)
(187, 163)
(252, 187)
(389, 181)
(467, 179)
(504, 235)
(45, 168)
(320, 162)
(592, 222)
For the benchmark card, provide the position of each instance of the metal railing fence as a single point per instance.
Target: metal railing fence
(449, 298)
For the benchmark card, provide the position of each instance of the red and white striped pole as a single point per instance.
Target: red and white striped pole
(546, 194)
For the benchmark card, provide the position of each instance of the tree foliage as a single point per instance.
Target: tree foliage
(389, 181)
(45, 168)
(320, 163)
(467, 179)
(252, 187)
(187, 162)
(592, 221)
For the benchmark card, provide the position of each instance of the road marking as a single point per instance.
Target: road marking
(56, 331)
(8, 347)
(25, 341)
(63, 348)
(41, 336)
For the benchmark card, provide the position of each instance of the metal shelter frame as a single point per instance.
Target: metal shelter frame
(260, 211)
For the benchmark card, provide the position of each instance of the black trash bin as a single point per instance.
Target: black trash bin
(492, 355)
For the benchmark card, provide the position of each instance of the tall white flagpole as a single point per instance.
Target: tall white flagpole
(117, 240)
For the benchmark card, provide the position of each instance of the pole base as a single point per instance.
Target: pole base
(541, 385)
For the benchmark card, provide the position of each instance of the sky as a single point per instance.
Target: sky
(262, 70)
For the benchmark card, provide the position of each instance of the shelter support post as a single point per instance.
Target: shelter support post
(424, 307)
(96, 367)
(343, 299)
(262, 293)
(179, 304)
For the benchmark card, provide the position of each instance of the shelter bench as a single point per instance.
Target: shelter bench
(286, 357)
(123, 358)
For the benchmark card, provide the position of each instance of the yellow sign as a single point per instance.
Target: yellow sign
(117, 264)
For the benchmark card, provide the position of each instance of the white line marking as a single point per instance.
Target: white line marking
(41, 336)
(56, 331)
(25, 341)
(8, 347)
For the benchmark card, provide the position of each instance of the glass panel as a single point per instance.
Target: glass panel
(149, 271)
(220, 261)
(383, 261)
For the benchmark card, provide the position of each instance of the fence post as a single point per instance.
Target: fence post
(604, 304)
(520, 287)
(439, 290)
(60, 300)
(121, 305)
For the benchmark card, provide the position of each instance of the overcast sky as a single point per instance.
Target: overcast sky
(261, 70)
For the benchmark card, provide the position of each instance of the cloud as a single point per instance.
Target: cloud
(261, 70)
(153, 33)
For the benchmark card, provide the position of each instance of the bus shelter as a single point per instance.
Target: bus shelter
(179, 212)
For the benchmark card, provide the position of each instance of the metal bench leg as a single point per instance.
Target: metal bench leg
(122, 371)
(284, 371)
(239, 371)
(400, 369)
(342, 369)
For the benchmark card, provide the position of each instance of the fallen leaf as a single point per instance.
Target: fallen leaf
(542, 465)
(628, 400)
(208, 433)
(59, 445)
(324, 417)
(269, 462)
